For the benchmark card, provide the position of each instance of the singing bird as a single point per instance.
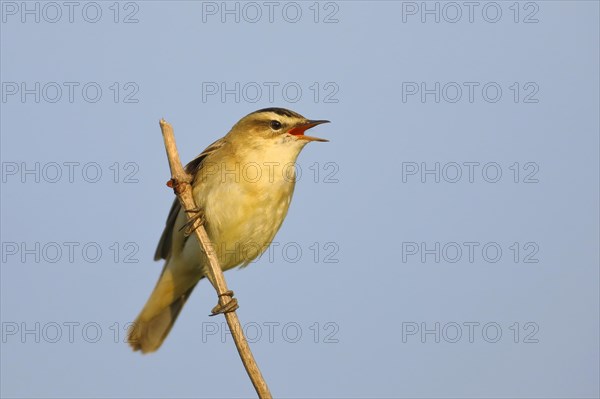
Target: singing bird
(243, 184)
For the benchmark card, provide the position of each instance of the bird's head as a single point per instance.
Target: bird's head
(277, 125)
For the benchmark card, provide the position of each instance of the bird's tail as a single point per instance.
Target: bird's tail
(156, 319)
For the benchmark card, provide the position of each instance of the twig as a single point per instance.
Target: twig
(181, 183)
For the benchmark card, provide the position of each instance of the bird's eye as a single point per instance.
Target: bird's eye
(275, 125)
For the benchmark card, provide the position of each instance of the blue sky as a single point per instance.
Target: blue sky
(443, 244)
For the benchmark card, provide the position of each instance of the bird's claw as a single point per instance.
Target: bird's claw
(230, 306)
(190, 225)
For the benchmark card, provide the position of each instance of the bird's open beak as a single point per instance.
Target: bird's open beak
(299, 130)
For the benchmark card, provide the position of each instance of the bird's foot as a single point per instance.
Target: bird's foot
(228, 307)
(190, 225)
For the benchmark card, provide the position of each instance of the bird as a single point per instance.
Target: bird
(242, 185)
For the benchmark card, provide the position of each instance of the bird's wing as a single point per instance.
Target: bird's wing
(195, 164)
(163, 249)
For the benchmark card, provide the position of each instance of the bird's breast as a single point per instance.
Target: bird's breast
(245, 201)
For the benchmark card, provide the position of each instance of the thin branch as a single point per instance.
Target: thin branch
(181, 183)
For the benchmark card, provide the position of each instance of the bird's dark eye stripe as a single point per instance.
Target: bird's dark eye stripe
(275, 125)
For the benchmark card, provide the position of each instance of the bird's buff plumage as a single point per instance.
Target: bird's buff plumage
(243, 185)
